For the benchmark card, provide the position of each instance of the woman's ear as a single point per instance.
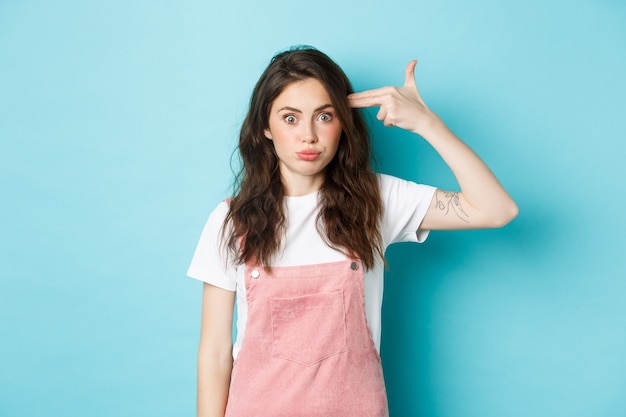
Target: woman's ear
(268, 134)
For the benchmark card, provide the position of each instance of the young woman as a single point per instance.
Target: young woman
(300, 246)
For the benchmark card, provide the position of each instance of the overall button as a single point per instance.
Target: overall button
(354, 266)
(255, 274)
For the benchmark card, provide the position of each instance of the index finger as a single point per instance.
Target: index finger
(367, 98)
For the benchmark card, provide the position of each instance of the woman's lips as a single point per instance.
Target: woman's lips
(308, 155)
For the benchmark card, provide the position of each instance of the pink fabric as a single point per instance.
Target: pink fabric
(308, 350)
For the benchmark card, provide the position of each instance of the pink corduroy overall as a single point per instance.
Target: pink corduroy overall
(307, 350)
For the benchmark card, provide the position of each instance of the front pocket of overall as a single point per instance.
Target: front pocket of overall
(309, 328)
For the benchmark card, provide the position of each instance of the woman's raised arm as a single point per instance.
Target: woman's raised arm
(482, 201)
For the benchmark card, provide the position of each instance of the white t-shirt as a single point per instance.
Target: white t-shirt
(405, 205)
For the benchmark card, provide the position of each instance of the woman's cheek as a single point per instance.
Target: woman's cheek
(334, 130)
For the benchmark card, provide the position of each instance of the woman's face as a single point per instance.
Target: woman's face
(305, 130)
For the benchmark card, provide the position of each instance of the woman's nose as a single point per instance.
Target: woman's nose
(309, 136)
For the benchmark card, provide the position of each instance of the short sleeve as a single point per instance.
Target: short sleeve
(209, 263)
(406, 204)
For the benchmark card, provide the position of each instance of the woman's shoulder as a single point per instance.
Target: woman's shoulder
(220, 210)
(216, 217)
(386, 180)
(390, 180)
(392, 186)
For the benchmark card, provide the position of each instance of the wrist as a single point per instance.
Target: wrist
(429, 126)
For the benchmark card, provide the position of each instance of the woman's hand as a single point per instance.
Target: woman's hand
(399, 106)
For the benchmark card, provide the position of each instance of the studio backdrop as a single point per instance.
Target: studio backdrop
(118, 122)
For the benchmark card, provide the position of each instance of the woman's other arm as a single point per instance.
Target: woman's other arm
(215, 353)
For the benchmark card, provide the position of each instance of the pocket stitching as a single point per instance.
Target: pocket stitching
(319, 355)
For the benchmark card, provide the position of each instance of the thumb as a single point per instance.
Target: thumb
(409, 74)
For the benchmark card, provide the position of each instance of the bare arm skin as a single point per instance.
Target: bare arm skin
(482, 201)
(215, 353)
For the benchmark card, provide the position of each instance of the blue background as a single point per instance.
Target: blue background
(117, 124)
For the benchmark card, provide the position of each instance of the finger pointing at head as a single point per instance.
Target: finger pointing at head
(368, 98)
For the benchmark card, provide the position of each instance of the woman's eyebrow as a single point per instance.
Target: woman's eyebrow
(293, 109)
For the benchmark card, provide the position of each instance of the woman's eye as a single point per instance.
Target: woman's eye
(326, 117)
(290, 119)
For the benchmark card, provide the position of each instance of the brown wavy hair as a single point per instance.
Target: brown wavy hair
(350, 202)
